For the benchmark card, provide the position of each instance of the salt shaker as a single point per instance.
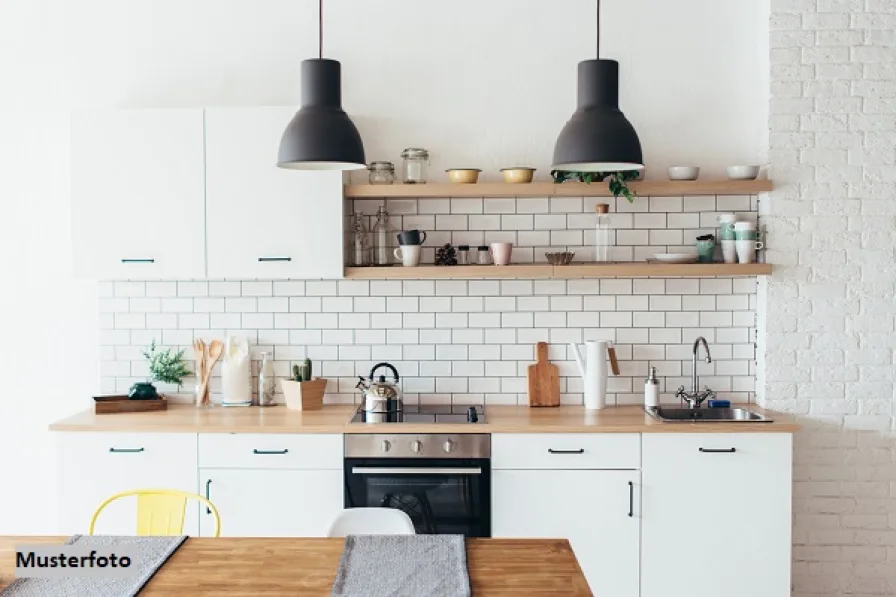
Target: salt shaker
(484, 257)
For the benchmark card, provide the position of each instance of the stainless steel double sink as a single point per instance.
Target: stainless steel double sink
(677, 414)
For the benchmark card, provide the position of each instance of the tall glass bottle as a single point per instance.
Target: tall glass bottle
(360, 249)
(603, 237)
(266, 382)
(382, 255)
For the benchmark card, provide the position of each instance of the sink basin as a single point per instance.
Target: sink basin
(676, 414)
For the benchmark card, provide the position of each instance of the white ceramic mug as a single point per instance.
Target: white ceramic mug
(409, 255)
(729, 251)
(726, 226)
(746, 250)
(501, 253)
(744, 226)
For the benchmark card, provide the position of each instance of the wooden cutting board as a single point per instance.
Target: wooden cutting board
(544, 379)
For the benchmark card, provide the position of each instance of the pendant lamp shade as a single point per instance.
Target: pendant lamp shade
(598, 137)
(321, 136)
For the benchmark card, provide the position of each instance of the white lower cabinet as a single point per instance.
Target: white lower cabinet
(716, 514)
(94, 466)
(597, 510)
(271, 503)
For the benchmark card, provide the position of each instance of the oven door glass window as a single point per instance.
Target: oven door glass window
(440, 496)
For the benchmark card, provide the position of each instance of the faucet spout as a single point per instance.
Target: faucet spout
(697, 343)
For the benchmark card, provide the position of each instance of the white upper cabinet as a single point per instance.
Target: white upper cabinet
(716, 514)
(264, 221)
(138, 194)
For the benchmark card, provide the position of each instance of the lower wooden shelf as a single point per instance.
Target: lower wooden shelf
(559, 272)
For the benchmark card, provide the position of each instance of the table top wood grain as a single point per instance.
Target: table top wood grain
(280, 567)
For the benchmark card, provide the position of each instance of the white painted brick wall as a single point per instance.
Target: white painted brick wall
(826, 317)
(468, 341)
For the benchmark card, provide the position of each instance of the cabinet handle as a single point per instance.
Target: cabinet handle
(208, 495)
(138, 260)
(265, 259)
(579, 451)
(718, 450)
(269, 451)
(125, 450)
(631, 499)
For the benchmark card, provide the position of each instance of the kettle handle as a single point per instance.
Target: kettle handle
(391, 368)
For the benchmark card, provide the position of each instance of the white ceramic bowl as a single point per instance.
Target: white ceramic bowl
(684, 172)
(742, 172)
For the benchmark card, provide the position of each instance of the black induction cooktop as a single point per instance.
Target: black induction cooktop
(426, 413)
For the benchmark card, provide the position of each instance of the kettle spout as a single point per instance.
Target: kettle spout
(578, 357)
(362, 384)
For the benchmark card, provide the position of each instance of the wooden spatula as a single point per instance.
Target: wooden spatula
(544, 379)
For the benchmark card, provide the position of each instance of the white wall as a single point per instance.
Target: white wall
(478, 83)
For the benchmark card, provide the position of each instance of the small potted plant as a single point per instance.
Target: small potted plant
(302, 391)
(165, 366)
(617, 181)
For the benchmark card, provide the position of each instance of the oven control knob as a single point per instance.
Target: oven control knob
(449, 446)
(386, 445)
(416, 446)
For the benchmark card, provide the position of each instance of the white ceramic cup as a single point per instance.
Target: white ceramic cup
(746, 250)
(409, 255)
(729, 251)
(501, 253)
(744, 226)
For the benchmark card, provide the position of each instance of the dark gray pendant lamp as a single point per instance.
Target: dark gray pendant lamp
(598, 137)
(321, 136)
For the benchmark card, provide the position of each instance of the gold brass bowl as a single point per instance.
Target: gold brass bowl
(518, 175)
(564, 258)
(463, 175)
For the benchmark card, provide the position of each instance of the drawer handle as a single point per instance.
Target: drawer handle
(125, 450)
(718, 450)
(631, 499)
(256, 451)
(208, 495)
(579, 451)
(268, 259)
(138, 260)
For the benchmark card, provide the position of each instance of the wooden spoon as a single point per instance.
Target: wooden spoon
(199, 356)
(215, 350)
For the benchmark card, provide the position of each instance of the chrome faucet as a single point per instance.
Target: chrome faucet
(695, 397)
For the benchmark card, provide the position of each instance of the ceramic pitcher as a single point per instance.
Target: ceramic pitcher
(594, 372)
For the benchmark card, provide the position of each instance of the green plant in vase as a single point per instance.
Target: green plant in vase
(165, 366)
(616, 181)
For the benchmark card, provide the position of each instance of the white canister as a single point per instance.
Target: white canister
(236, 377)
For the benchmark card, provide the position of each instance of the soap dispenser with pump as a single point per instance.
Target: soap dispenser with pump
(651, 390)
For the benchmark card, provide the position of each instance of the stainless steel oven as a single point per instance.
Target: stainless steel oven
(443, 482)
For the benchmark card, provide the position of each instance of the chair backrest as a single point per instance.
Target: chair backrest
(371, 521)
(160, 512)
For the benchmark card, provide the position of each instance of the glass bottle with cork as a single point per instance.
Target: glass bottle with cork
(603, 233)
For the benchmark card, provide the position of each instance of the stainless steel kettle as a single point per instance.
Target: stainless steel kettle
(381, 396)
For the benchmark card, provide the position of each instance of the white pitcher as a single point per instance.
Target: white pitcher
(594, 372)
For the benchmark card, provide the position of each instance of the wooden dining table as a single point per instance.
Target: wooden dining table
(256, 567)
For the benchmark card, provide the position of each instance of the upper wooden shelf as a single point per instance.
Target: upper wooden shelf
(659, 188)
(559, 272)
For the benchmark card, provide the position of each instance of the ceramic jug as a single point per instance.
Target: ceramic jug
(594, 372)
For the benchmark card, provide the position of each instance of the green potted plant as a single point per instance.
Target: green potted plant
(617, 181)
(165, 366)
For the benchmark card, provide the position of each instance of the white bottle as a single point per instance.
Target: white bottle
(602, 234)
(651, 390)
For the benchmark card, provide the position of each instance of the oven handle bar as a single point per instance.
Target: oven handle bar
(374, 470)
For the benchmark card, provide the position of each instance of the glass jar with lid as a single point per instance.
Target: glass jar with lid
(381, 173)
(414, 163)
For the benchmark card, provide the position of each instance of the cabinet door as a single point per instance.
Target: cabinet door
(591, 508)
(94, 466)
(716, 515)
(138, 194)
(264, 221)
(272, 503)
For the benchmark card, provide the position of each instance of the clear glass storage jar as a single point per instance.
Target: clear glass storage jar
(381, 173)
(414, 163)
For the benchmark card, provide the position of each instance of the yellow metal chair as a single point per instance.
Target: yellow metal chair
(160, 512)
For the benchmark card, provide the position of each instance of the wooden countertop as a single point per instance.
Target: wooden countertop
(335, 419)
(256, 567)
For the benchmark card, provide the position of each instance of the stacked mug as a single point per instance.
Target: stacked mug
(739, 240)
(410, 246)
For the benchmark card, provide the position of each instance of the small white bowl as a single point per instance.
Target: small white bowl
(742, 172)
(684, 172)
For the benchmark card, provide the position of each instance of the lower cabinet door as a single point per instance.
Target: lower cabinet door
(271, 503)
(94, 466)
(596, 510)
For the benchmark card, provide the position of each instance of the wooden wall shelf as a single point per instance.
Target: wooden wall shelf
(660, 188)
(560, 272)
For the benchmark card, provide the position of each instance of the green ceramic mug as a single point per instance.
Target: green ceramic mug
(705, 250)
(746, 235)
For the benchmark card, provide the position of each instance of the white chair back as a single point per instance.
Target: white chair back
(371, 521)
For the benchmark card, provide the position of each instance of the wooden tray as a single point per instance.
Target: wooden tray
(107, 405)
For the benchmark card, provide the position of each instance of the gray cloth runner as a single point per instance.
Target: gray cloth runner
(154, 551)
(403, 566)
